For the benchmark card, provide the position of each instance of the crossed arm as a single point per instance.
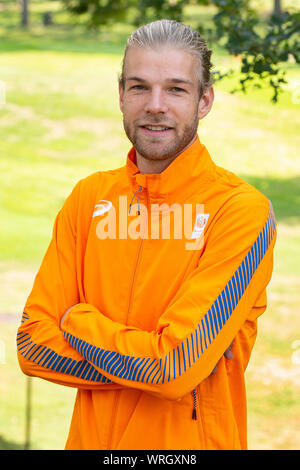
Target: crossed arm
(70, 342)
(228, 354)
(80, 346)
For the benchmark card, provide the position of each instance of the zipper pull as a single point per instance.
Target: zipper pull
(138, 191)
(194, 415)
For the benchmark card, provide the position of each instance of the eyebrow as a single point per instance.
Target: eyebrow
(136, 79)
(170, 80)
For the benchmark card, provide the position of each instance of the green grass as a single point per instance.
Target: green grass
(61, 122)
(52, 404)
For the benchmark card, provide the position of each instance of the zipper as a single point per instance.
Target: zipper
(136, 266)
(133, 280)
(198, 415)
(138, 191)
(194, 414)
(117, 392)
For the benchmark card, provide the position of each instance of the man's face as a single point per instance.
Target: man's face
(160, 101)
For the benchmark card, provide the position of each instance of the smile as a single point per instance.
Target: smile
(156, 130)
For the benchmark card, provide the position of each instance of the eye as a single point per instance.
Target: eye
(137, 87)
(176, 89)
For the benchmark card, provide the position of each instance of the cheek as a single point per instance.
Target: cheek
(184, 115)
(183, 107)
(131, 107)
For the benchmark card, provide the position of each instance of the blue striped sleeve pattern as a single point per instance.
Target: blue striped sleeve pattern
(185, 354)
(24, 317)
(46, 357)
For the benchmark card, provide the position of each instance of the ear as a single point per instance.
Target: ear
(121, 95)
(206, 102)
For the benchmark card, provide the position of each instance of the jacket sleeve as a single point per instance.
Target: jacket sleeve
(41, 348)
(202, 319)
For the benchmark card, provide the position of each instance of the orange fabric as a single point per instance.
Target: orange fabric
(151, 318)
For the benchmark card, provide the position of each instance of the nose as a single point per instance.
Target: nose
(156, 102)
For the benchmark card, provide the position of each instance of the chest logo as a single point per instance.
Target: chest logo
(201, 221)
(102, 207)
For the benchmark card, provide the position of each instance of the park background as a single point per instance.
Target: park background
(59, 122)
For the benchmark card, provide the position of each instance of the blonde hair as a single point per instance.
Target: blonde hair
(177, 35)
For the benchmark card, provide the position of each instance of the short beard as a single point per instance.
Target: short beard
(171, 150)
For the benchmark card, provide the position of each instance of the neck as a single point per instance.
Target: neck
(147, 166)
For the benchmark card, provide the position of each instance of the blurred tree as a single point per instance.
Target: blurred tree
(24, 13)
(262, 47)
(151, 10)
(262, 44)
(99, 11)
(277, 8)
(47, 18)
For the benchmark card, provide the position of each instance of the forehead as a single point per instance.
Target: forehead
(160, 63)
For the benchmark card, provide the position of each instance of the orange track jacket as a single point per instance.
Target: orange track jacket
(153, 316)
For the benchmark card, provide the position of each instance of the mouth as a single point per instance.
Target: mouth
(156, 130)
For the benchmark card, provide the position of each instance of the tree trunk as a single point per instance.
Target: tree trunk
(28, 413)
(277, 8)
(24, 13)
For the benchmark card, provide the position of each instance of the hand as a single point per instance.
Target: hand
(228, 355)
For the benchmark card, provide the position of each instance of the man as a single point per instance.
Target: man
(154, 270)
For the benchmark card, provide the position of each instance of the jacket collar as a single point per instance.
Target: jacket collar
(193, 166)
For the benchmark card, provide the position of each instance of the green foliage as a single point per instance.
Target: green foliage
(261, 46)
(99, 11)
(262, 50)
(151, 10)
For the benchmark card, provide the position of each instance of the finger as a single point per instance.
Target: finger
(228, 353)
